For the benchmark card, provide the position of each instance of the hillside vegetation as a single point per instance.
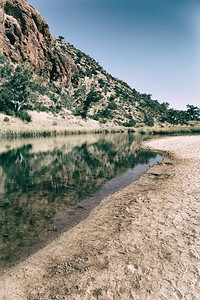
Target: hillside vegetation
(42, 73)
(96, 94)
(90, 92)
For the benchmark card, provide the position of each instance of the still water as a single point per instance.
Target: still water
(49, 184)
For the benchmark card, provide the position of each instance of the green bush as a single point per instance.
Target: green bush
(131, 123)
(106, 113)
(44, 108)
(78, 111)
(10, 112)
(92, 97)
(23, 115)
(95, 117)
(6, 119)
(66, 101)
(75, 80)
(101, 83)
(112, 98)
(53, 98)
(63, 48)
(112, 105)
(102, 121)
(93, 71)
(2, 59)
(148, 120)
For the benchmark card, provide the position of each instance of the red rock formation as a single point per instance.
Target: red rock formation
(25, 38)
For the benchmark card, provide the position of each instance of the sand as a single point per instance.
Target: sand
(142, 242)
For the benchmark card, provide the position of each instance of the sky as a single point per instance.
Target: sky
(153, 45)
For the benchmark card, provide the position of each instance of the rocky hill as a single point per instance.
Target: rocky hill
(97, 94)
(78, 82)
(25, 38)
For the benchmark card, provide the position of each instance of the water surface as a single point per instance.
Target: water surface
(49, 184)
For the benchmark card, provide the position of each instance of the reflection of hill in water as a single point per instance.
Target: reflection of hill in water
(36, 185)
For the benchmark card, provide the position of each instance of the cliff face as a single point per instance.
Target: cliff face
(25, 38)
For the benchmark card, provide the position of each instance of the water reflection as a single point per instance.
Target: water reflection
(43, 177)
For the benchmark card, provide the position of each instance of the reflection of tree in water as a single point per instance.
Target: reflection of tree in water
(38, 185)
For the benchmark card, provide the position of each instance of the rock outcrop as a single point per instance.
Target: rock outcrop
(25, 38)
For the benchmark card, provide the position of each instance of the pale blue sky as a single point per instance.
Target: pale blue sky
(153, 45)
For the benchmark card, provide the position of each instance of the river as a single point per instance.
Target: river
(47, 185)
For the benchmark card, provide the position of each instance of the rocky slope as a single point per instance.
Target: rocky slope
(25, 38)
(80, 83)
(96, 94)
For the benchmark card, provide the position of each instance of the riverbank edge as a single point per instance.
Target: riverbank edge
(52, 132)
(168, 156)
(74, 211)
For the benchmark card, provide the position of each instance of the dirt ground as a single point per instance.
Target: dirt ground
(142, 242)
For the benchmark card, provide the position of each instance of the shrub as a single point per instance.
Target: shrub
(44, 108)
(93, 71)
(63, 48)
(112, 98)
(6, 119)
(106, 113)
(2, 59)
(102, 121)
(66, 101)
(95, 117)
(79, 54)
(131, 123)
(101, 83)
(148, 120)
(78, 111)
(75, 80)
(10, 112)
(112, 105)
(92, 97)
(53, 98)
(23, 115)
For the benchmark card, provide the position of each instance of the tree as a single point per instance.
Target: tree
(61, 38)
(92, 97)
(193, 112)
(16, 88)
(2, 59)
(164, 106)
(148, 120)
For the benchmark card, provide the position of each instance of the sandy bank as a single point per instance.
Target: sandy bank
(139, 243)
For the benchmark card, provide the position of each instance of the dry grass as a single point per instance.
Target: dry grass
(47, 124)
(174, 130)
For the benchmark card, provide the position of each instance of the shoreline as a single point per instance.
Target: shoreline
(52, 132)
(47, 124)
(138, 243)
(65, 220)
